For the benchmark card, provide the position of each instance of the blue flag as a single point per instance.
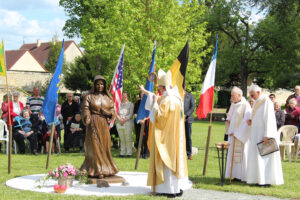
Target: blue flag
(49, 105)
(142, 113)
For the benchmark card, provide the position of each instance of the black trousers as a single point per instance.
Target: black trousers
(188, 139)
(20, 140)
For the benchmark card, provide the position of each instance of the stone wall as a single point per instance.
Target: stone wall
(23, 82)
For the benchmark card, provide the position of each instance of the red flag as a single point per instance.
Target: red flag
(117, 84)
(207, 91)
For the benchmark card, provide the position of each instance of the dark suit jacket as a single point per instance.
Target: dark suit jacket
(280, 118)
(189, 107)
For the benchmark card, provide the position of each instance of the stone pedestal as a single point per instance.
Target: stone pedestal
(104, 182)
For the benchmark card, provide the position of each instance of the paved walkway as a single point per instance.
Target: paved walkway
(201, 194)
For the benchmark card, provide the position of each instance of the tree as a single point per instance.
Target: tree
(255, 51)
(238, 44)
(105, 26)
(80, 74)
(280, 49)
(55, 48)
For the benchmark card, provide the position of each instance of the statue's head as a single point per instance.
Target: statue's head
(100, 85)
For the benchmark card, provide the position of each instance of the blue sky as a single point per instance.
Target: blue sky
(30, 20)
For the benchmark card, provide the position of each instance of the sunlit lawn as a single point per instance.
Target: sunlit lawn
(28, 164)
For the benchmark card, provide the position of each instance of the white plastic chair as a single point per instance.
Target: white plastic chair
(288, 133)
(3, 127)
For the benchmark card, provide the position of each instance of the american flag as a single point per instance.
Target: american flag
(117, 84)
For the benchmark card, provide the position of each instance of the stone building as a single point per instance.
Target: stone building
(25, 66)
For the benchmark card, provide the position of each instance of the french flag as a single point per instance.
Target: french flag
(207, 91)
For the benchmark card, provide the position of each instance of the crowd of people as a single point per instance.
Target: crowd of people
(29, 127)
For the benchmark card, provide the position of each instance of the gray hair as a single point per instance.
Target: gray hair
(254, 88)
(76, 97)
(237, 90)
(16, 93)
(277, 103)
(292, 100)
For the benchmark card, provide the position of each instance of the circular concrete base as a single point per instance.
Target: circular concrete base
(137, 185)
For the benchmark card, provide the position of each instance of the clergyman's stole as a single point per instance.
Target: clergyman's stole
(238, 146)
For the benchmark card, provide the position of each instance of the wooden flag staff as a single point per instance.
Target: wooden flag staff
(9, 116)
(207, 144)
(50, 145)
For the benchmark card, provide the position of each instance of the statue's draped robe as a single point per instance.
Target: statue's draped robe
(263, 169)
(238, 115)
(168, 160)
(98, 159)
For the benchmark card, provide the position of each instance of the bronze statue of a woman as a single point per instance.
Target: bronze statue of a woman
(97, 108)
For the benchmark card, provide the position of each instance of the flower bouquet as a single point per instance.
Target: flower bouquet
(64, 174)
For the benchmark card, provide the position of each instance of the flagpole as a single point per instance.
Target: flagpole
(9, 116)
(207, 144)
(139, 146)
(50, 145)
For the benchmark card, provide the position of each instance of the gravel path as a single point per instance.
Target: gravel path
(201, 194)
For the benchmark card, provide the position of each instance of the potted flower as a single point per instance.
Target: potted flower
(64, 174)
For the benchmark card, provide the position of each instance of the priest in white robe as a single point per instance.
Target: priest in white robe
(168, 173)
(238, 135)
(263, 170)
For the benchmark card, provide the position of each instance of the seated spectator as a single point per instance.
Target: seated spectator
(291, 119)
(280, 116)
(46, 132)
(272, 97)
(23, 130)
(60, 119)
(77, 130)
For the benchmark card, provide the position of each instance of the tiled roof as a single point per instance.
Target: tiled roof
(12, 56)
(41, 53)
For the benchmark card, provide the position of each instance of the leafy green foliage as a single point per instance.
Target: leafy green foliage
(105, 26)
(55, 48)
(265, 52)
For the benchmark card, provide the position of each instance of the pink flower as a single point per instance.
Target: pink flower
(65, 174)
(56, 175)
(50, 173)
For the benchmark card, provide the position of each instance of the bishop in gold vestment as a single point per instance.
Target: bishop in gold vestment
(168, 161)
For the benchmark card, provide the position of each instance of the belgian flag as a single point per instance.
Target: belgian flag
(178, 69)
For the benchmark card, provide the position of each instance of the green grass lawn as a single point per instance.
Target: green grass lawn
(28, 164)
